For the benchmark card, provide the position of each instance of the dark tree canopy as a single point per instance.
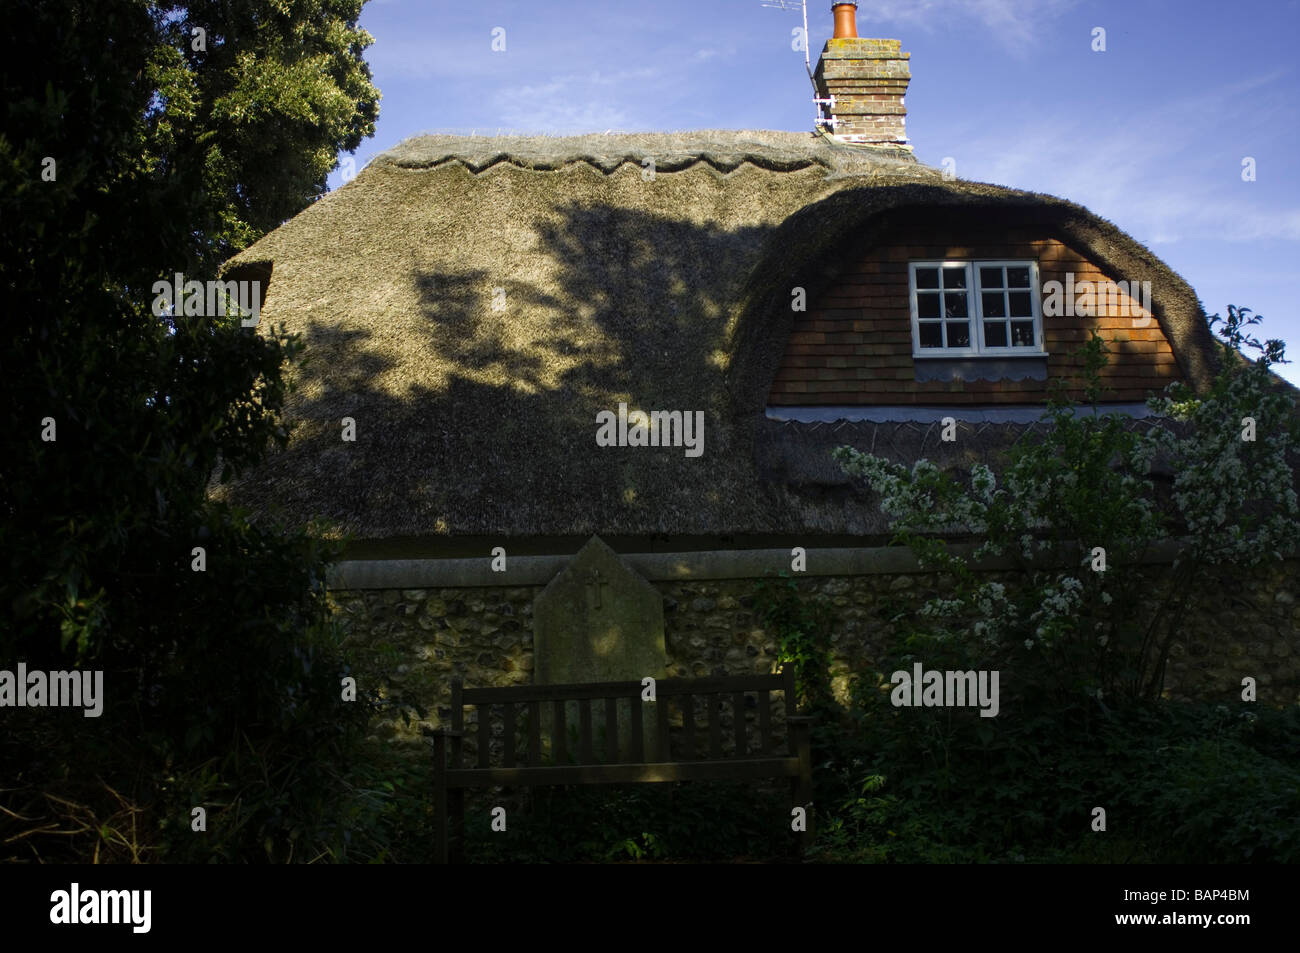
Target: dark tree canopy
(133, 147)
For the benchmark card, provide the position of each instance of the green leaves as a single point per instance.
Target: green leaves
(802, 628)
(1083, 495)
(1084, 647)
(97, 526)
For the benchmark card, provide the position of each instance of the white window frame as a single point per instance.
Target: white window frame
(975, 309)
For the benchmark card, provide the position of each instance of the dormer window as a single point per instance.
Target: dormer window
(975, 309)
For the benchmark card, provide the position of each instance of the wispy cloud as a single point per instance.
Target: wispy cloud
(1014, 24)
(576, 102)
(1164, 184)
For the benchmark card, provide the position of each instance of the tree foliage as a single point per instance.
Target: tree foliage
(1080, 629)
(130, 151)
(1079, 509)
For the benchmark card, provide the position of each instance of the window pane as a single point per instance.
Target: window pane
(1017, 277)
(995, 334)
(991, 278)
(1020, 304)
(958, 334)
(955, 305)
(1022, 334)
(931, 334)
(927, 305)
(927, 277)
(954, 277)
(994, 307)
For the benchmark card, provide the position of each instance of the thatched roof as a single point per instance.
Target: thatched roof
(667, 292)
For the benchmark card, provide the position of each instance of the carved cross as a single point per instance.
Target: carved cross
(594, 585)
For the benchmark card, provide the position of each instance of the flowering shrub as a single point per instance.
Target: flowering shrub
(1077, 512)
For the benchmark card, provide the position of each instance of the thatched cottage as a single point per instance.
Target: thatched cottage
(518, 344)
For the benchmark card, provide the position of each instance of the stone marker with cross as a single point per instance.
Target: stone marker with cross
(598, 620)
(594, 581)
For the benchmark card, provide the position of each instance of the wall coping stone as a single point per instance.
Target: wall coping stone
(706, 564)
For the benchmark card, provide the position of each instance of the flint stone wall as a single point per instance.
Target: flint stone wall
(420, 638)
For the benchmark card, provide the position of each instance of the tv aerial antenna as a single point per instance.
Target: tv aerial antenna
(819, 120)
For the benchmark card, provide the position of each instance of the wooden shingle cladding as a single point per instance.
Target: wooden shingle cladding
(854, 343)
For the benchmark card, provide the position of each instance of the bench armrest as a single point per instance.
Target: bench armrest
(441, 732)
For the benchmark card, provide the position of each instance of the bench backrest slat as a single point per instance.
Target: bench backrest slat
(508, 736)
(561, 739)
(611, 730)
(663, 747)
(637, 733)
(687, 703)
(585, 753)
(765, 722)
(534, 733)
(715, 726)
(484, 726)
(738, 722)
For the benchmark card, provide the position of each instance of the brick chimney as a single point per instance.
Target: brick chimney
(868, 79)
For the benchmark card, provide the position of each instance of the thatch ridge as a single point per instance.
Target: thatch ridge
(724, 150)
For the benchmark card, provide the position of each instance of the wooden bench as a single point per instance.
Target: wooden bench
(663, 762)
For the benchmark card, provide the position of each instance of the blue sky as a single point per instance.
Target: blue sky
(1150, 134)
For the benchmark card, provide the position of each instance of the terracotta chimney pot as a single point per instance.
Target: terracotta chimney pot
(846, 20)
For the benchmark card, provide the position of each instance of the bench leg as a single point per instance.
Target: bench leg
(439, 799)
(801, 785)
(456, 807)
(801, 796)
